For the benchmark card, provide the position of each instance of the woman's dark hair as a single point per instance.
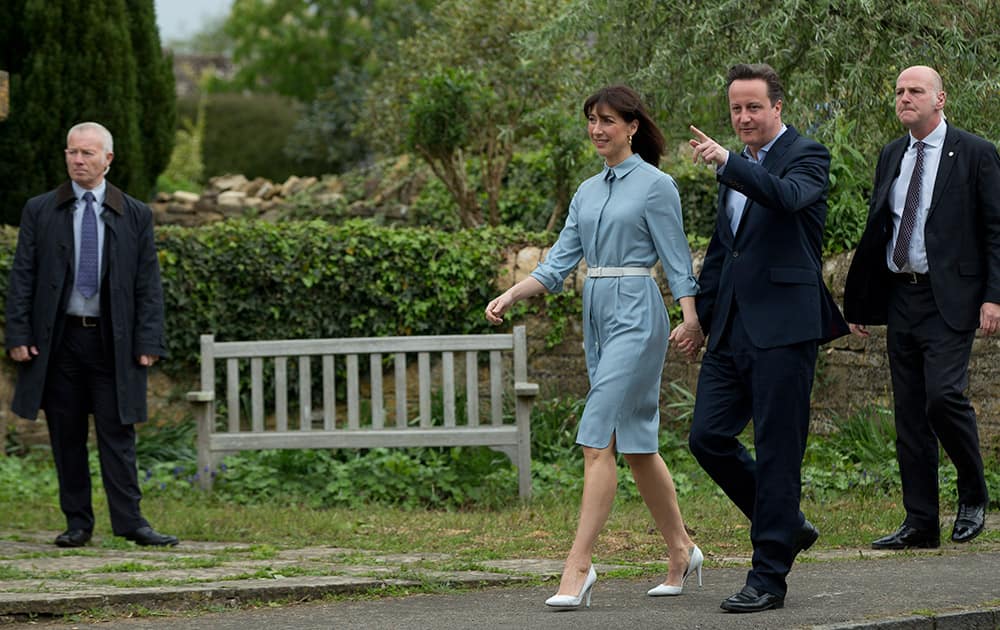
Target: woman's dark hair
(648, 140)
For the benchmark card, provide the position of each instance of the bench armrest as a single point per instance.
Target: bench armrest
(200, 397)
(526, 389)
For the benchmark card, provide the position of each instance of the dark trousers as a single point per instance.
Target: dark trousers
(81, 380)
(930, 363)
(738, 382)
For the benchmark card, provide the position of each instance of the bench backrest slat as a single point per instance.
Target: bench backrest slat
(400, 364)
(257, 394)
(281, 393)
(378, 410)
(448, 387)
(424, 387)
(472, 388)
(353, 404)
(232, 393)
(305, 394)
(329, 394)
(496, 387)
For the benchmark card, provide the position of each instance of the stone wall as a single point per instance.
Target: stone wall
(852, 373)
(383, 191)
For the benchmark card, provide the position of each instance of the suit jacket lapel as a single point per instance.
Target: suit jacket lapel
(895, 158)
(948, 151)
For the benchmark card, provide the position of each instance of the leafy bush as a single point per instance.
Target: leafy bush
(699, 192)
(246, 133)
(849, 188)
(254, 280)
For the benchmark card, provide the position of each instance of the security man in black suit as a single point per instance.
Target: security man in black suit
(928, 266)
(84, 323)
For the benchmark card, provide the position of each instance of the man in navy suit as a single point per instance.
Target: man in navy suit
(765, 309)
(928, 266)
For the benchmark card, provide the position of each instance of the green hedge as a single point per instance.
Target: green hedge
(254, 280)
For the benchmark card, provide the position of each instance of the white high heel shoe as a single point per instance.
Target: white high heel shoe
(694, 564)
(569, 601)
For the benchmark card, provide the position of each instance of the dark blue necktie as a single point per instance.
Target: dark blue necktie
(86, 276)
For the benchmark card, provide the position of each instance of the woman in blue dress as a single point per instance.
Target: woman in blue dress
(620, 222)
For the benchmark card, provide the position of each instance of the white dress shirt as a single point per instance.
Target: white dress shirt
(933, 145)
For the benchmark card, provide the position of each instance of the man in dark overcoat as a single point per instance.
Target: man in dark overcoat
(84, 324)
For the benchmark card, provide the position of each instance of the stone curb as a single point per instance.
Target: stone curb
(230, 593)
(986, 619)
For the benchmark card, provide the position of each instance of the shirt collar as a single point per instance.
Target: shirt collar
(98, 192)
(762, 152)
(624, 167)
(934, 138)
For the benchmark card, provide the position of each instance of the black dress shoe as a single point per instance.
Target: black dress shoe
(907, 537)
(73, 538)
(968, 523)
(751, 600)
(806, 538)
(147, 536)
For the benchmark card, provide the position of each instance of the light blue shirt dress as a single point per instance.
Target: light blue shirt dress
(629, 215)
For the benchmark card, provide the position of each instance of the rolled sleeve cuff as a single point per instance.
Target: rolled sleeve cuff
(684, 287)
(551, 281)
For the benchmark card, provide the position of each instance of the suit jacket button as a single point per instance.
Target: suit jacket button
(736, 253)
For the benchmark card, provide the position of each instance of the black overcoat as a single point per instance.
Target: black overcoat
(41, 280)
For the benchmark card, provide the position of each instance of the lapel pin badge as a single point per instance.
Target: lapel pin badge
(951, 153)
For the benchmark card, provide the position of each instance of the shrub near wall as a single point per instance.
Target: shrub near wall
(244, 280)
(255, 280)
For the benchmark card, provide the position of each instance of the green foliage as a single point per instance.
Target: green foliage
(847, 209)
(835, 59)
(186, 169)
(859, 456)
(321, 140)
(155, 88)
(26, 478)
(838, 62)
(470, 40)
(699, 191)
(253, 280)
(246, 133)
(323, 54)
(70, 63)
(435, 207)
(296, 48)
(442, 111)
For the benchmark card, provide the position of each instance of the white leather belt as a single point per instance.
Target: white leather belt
(618, 272)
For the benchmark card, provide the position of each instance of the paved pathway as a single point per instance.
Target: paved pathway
(955, 587)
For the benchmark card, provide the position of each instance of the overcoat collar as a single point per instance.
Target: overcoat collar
(113, 198)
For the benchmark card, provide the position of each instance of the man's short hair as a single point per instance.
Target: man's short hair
(762, 71)
(109, 142)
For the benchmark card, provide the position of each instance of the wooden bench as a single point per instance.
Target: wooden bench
(325, 427)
